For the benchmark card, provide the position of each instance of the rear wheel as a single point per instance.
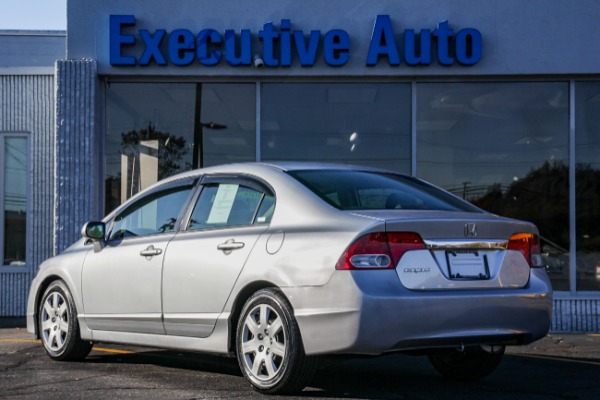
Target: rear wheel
(468, 365)
(58, 325)
(269, 347)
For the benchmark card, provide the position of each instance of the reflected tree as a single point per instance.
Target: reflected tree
(171, 150)
(542, 197)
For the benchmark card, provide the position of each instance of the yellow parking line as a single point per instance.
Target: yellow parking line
(19, 341)
(593, 334)
(101, 349)
(115, 351)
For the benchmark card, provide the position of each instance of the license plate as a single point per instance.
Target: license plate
(467, 264)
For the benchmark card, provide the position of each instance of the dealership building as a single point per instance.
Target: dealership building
(497, 102)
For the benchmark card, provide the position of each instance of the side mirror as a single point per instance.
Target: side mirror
(94, 230)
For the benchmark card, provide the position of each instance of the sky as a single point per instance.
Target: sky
(33, 14)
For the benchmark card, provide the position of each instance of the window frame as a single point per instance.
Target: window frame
(28, 223)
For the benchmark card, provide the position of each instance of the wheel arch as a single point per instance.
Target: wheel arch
(241, 298)
(38, 298)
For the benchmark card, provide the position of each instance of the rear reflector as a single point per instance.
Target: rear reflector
(529, 245)
(379, 250)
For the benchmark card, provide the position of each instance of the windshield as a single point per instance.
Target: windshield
(365, 190)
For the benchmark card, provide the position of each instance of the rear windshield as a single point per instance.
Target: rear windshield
(365, 190)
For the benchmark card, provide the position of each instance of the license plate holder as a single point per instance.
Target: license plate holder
(467, 265)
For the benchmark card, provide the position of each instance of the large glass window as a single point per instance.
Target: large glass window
(13, 199)
(587, 179)
(155, 130)
(364, 124)
(504, 147)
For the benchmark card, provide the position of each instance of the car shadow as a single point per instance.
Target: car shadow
(400, 376)
(171, 359)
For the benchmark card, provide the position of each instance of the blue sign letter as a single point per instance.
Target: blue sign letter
(410, 43)
(383, 42)
(245, 57)
(336, 46)
(117, 40)
(181, 47)
(152, 49)
(206, 56)
(443, 34)
(468, 46)
(307, 52)
(269, 36)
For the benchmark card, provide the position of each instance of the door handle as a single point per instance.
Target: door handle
(230, 245)
(150, 252)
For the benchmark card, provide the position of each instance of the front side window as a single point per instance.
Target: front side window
(231, 204)
(363, 190)
(154, 214)
(14, 198)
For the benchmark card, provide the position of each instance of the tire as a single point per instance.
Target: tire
(59, 328)
(269, 346)
(469, 365)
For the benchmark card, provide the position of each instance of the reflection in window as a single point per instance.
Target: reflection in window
(362, 190)
(364, 124)
(14, 199)
(228, 204)
(160, 129)
(152, 215)
(587, 179)
(504, 147)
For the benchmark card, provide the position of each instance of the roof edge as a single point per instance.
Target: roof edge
(32, 32)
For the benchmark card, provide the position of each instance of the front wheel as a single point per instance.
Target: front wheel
(468, 365)
(58, 325)
(269, 346)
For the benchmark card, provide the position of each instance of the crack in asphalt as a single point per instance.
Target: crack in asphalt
(22, 352)
(16, 388)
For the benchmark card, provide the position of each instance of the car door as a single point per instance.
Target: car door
(205, 259)
(121, 283)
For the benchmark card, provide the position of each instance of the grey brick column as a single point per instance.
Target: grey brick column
(78, 150)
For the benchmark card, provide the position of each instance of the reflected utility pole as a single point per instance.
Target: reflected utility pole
(198, 153)
(465, 189)
(198, 159)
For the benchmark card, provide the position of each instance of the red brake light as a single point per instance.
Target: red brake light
(401, 242)
(380, 250)
(529, 245)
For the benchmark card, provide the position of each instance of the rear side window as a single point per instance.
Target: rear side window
(230, 204)
(365, 190)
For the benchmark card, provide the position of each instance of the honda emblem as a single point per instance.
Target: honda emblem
(470, 230)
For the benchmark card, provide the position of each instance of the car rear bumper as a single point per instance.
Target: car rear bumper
(370, 312)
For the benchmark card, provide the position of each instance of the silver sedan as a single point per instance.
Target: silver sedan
(278, 264)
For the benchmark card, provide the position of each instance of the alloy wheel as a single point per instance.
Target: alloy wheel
(55, 321)
(264, 343)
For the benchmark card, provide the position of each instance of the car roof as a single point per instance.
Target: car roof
(257, 168)
(262, 170)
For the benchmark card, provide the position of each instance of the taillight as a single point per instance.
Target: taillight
(529, 245)
(379, 250)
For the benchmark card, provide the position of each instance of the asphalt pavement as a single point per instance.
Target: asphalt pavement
(560, 366)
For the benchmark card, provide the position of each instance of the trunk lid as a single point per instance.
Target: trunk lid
(463, 250)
